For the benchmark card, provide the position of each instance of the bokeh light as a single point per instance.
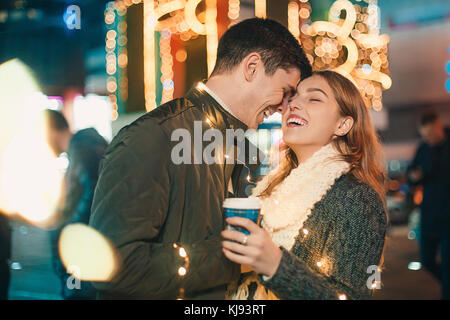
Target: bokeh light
(29, 188)
(84, 249)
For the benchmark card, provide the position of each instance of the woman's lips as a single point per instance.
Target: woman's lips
(296, 121)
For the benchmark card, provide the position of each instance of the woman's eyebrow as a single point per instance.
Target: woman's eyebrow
(316, 89)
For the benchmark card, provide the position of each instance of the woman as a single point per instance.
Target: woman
(324, 219)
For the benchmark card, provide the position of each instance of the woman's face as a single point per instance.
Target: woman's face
(312, 117)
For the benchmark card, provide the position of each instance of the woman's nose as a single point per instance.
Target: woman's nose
(294, 106)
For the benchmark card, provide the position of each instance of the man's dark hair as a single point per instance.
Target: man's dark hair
(428, 117)
(275, 44)
(55, 120)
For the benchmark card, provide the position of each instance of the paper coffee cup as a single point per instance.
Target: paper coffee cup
(242, 207)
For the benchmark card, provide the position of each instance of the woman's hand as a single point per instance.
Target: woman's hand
(256, 250)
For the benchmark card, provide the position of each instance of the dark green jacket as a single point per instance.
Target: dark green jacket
(144, 203)
(346, 232)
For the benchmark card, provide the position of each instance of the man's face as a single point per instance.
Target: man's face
(271, 93)
(432, 133)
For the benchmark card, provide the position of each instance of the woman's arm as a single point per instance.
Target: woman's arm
(355, 242)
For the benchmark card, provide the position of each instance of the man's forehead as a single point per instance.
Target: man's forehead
(290, 76)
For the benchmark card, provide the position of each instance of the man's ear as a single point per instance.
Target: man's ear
(251, 64)
(345, 125)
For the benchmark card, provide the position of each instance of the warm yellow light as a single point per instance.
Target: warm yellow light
(342, 297)
(182, 271)
(114, 115)
(211, 34)
(30, 178)
(111, 86)
(305, 232)
(109, 17)
(181, 55)
(233, 9)
(260, 8)
(293, 20)
(122, 60)
(319, 264)
(110, 43)
(111, 34)
(149, 55)
(182, 252)
(304, 13)
(166, 66)
(191, 17)
(164, 8)
(84, 249)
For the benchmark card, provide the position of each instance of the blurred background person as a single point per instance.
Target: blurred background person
(430, 168)
(5, 255)
(84, 151)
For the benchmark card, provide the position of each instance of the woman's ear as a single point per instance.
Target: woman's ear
(345, 125)
(251, 64)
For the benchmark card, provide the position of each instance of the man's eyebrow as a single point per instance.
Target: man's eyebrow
(316, 89)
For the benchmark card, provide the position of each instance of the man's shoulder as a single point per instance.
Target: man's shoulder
(160, 118)
(155, 127)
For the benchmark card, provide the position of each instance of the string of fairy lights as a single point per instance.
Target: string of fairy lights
(234, 8)
(166, 66)
(350, 44)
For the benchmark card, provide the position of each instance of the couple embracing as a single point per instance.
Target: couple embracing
(323, 214)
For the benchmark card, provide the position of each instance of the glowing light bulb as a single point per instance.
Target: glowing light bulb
(182, 252)
(342, 297)
(182, 271)
(305, 232)
(319, 264)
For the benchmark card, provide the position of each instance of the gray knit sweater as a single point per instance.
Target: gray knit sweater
(347, 228)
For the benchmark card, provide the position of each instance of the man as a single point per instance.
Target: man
(150, 207)
(84, 151)
(5, 255)
(431, 169)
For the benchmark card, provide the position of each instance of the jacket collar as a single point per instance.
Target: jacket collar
(217, 115)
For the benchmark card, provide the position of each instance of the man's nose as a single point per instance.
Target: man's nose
(281, 108)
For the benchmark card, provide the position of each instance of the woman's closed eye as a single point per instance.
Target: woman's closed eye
(314, 100)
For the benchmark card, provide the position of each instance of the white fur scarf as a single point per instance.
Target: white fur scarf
(291, 202)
